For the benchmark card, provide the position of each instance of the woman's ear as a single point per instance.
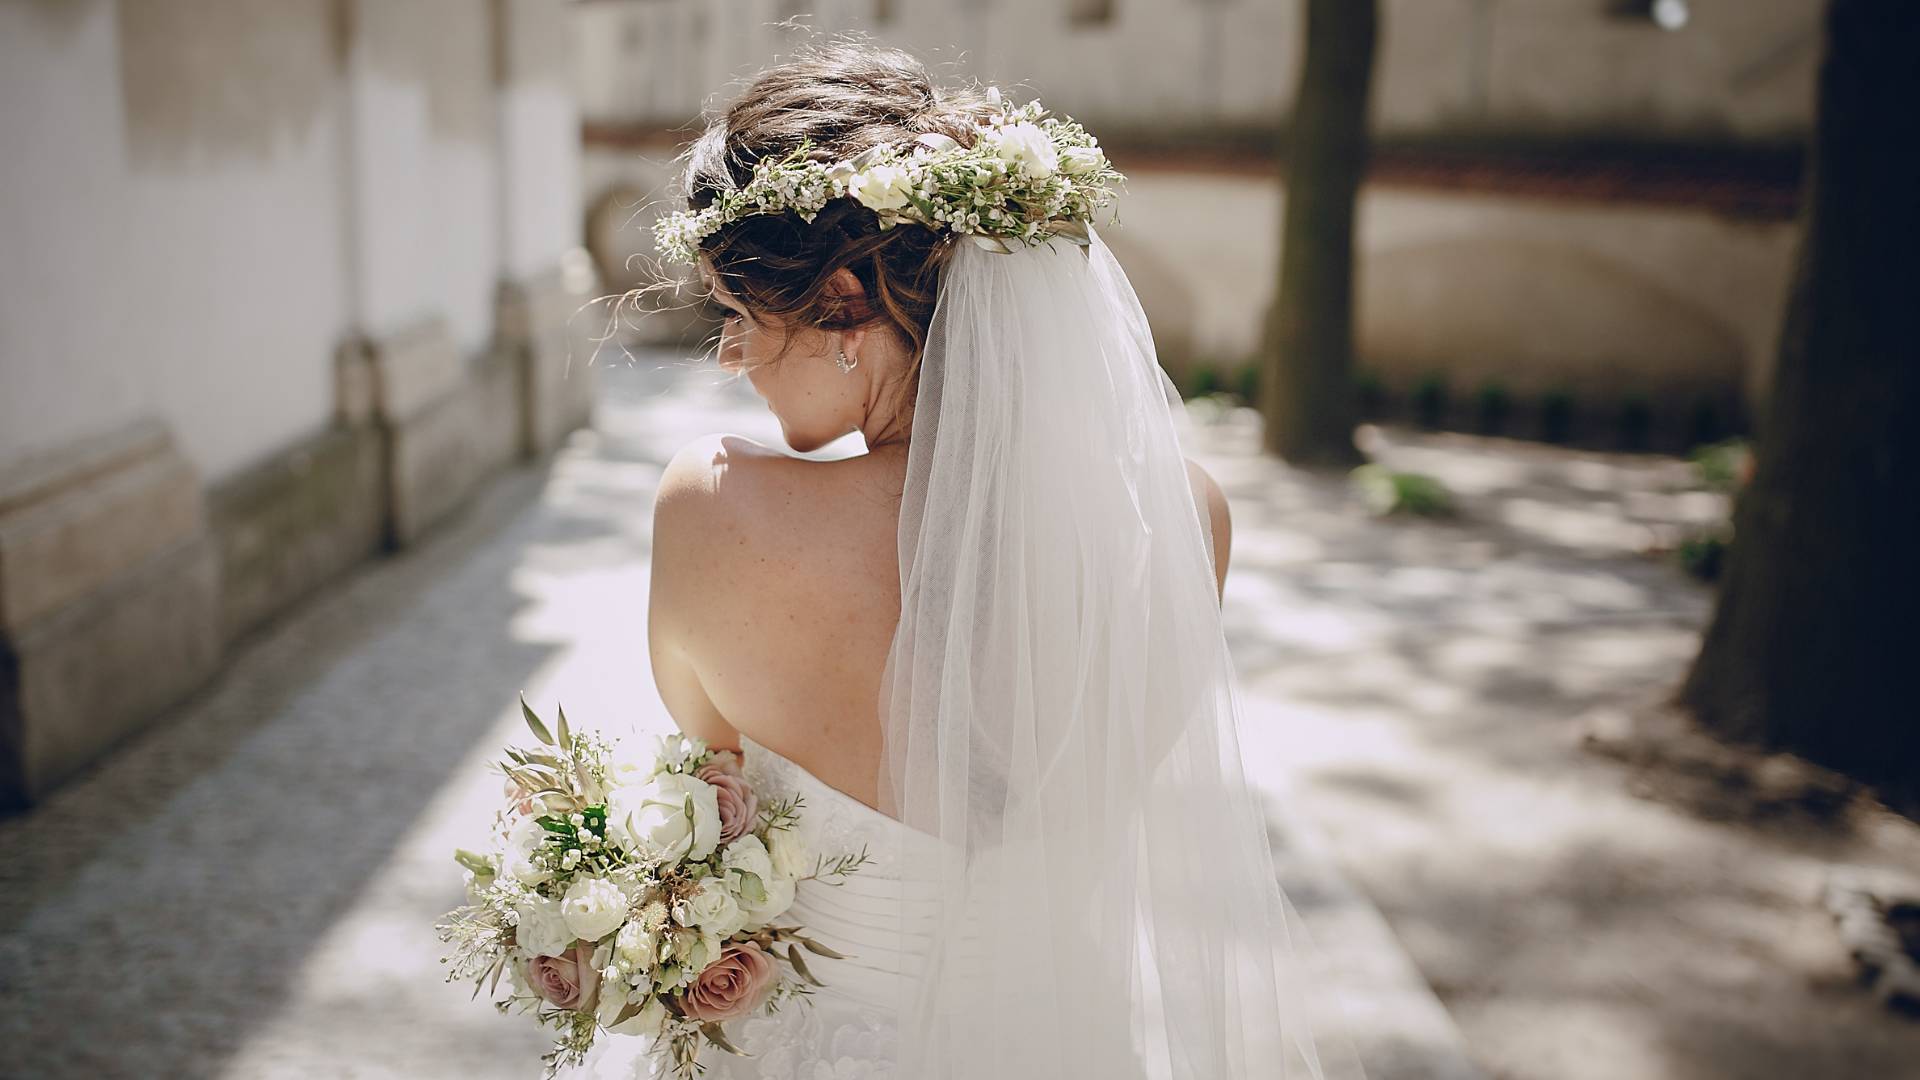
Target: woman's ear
(846, 289)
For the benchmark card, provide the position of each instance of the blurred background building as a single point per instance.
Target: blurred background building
(1579, 218)
(283, 282)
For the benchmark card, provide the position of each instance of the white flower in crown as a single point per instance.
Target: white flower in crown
(1025, 178)
(1080, 160)
(1026, 147)
(882, 187)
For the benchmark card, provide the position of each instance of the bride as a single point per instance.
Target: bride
(987, 653)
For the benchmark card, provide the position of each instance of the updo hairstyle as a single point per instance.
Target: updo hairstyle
(844, 99)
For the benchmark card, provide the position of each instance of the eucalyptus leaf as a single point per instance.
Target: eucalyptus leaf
(1075, 231)
(498, 967)
(539, 729)
(818, 949)
(800, 966)
(473, 861)
(719, 1038)
(566, 736)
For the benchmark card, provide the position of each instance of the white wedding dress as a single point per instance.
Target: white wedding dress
(1070, 875)
(879, 918)
(846, 1030)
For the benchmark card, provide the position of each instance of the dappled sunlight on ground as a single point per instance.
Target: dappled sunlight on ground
(1421, 683)
(247, 890)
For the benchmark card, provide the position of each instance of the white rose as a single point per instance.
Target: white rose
(635, 947)
(516, 859)
(882, 187)
(594, 907)
(1026, 147)
(791, 856)
(1082, 159)
(543, 931)
(748, 854)
(714, 908)
(779, 898)
(677, 816)
(626, 768)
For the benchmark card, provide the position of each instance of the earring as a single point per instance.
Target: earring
(844, 364)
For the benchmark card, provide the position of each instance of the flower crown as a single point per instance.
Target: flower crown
(1028, 177)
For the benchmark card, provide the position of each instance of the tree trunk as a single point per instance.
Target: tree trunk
(1307, 379)
(1810, 644)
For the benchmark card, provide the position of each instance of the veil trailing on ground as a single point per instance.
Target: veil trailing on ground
(1060, 711)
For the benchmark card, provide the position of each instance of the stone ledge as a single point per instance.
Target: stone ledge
(107, 600)
(294, 522)
(436, 457)
(414, 369)
(83, 679)
(62, 530)
(543, 325)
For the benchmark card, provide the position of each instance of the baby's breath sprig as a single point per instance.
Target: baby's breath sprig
(782, 814)
(1027, 178)
(836, 870)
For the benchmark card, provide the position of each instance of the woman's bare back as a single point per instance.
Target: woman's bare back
(776, 594)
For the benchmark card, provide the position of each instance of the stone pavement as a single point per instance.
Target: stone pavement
(248, 889)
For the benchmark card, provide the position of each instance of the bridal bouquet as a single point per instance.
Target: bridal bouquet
(634, 896)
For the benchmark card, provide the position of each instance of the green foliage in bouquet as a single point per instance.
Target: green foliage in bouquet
(614, 886)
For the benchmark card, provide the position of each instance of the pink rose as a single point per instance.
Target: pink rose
(732, 986)
(738, 804)
(517, 795)
(567, 981)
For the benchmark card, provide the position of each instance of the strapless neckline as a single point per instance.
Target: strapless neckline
(835, 823)
(749, 747)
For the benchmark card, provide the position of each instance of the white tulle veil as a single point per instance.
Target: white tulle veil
(1060, 711)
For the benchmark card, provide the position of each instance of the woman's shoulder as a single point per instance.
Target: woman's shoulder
(712, 469)
(725, 481)
(723, 495)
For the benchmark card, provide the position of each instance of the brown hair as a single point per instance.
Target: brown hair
(843, 99)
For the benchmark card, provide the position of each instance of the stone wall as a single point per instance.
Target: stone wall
(287, 289)
(1613, 307)
(1737, 69)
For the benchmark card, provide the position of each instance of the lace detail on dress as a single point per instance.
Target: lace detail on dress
(833, 822)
